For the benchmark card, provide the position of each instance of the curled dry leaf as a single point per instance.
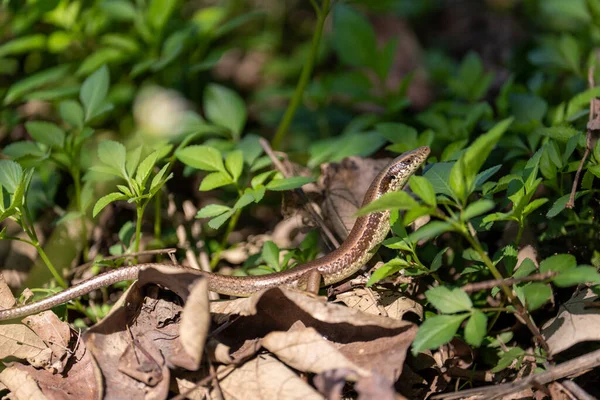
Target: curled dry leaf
(55, 333)
(345, 184)
(7, 300)
(142, 334)
(395, 304)
(366, 342)
(21, 385)
(264, 377)
(80, 379)
(575, 323)
(195, 321)
(306, 350)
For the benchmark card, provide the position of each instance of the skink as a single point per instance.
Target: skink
(358, 248)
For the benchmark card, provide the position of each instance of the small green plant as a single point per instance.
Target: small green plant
(138, 189)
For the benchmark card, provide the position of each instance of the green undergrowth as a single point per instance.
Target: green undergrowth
(505, 149)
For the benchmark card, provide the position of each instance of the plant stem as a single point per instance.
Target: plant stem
(230, 227)
(49, 264)
(521, 311)
(138, 227)
(76, 175)
(304, 77)
(157, 219)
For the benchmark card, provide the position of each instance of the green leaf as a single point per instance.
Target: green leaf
(145, 168)
(216, 223)
(159, 12)
(436, 331)
(429, 231)
(536, 294)
(10, 175)
(200, 157)
(113, 154)
(212, 210)
(225, 107)
(449, 301)
(133, 159)
(93, 93)
(215, 180)
(471, 161)
(560, 204)
(156, 181)
(437, 260)
(534, 205)
(121, 10)
(575, 276)
(353, 37)
(526, 268)
(476, 328)
(24, 44)
(72, 113)
(106, 200)
(46, 133)
(558, 263)
(43, 78)
(424, 189)
(270, 253)
(261, 178)
(294, 182)
(507, 359)
(439, 175)
(477, 208)
(389, 201)
(235, 164)
(16, 150)
(387, 269)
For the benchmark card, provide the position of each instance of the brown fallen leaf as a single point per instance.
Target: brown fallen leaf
(394, 303)
(80, 379)
(264, 377)
(367, 342)
(574, 323)
(17, 340)
(306, 350)
(195, 321)
(55, 333)
(7, 300)
(21, 385)
(142, 333)
(345, 184)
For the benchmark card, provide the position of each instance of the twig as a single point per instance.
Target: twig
(577, 390)
(477, 286)
(572, 367)
(591, 125)
(310, 206)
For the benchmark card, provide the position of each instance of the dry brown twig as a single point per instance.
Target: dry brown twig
(310, 206)
(476, 286)
(592, 125)
(572, 367)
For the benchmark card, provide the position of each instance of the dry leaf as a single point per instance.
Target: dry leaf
(345, 186)
(21, 385)
(55, 333)
(7, 300)
(195, 321)
(80, 380)
(307, 351)
(17, 340)
(265, 377)
(574, 323)
(394, 303)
